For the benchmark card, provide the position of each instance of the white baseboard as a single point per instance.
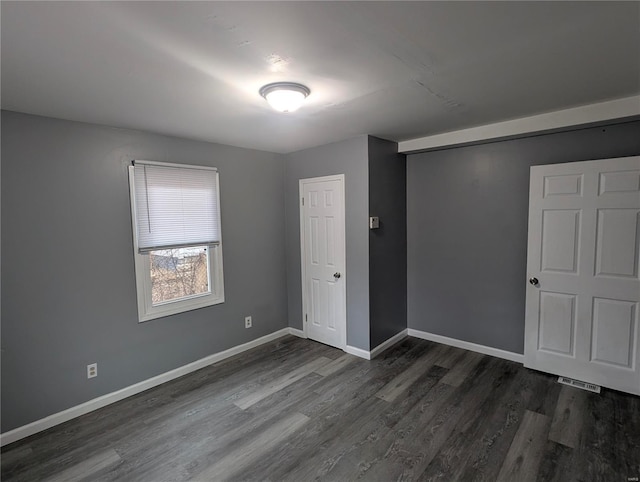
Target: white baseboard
(296, 332)
(386, 344)
(370, 355)
(96, 403)
(485, 350)
(358, 352)
(109, 398)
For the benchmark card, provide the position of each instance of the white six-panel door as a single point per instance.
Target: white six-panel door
(322, 236)
(583, 291)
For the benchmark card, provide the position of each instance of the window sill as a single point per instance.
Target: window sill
(176, 307)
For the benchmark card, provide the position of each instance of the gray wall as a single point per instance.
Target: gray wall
(467, 212)
(387, 244)
(69, 295)
(348, 158)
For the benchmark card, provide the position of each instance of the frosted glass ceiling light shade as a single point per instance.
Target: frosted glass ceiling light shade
(285, 96)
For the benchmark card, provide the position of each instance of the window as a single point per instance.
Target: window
(177, 239)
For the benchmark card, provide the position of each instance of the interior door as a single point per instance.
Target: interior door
(583, 289)
(322, 236)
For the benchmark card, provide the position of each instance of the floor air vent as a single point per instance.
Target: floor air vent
(578, 384)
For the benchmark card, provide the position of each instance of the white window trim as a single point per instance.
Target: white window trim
(146, 310)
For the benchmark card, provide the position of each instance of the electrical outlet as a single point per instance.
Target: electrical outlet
(247, 322)
(92, 370)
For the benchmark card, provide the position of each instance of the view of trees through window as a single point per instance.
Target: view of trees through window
(179, 273)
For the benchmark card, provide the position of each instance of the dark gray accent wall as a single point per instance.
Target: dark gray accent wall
(348, 158)
(68, 283)
(467, 211)
(388, 243)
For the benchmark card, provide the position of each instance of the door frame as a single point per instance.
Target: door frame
(305, 301)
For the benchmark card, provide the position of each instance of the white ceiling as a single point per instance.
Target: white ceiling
(398, 70)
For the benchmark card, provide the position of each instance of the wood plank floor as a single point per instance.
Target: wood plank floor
(296, 410)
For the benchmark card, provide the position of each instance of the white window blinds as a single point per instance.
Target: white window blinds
(175, 205)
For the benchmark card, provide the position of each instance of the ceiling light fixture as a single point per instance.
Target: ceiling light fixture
(285, 96)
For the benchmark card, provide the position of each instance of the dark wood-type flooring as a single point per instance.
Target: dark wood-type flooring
(297, 410)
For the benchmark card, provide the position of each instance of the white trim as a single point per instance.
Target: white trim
(386, 344)
(358, 352)
(146, 309)
(298, 333)
(370, 355)
(467, 345)
(301, 183)
(96, 403)
(302, 256)
(109, 398)
(561, 119)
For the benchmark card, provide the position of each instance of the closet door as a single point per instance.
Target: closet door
(583, 287)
